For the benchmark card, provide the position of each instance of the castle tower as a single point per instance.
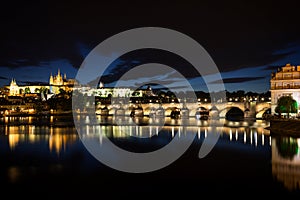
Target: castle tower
(51, 79)
(58, 72)
(59, 80)
(13, 88)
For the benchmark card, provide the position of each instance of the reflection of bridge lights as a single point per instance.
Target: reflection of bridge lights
(270, 140)
(199, 133)
(263, 139)
(251, 136)
(87, 130)
(150, 131)
(100, 135)
(172, 131)
(245, 137)
(130, 131)
(236, 134)
(255, 138)
(136, 130)
(230, 134)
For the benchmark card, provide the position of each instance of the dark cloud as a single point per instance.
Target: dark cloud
(3, 78)
(135, 58)
(236, 34)
(237, 80)
(272, 67)
(33, 83)
(161, 82)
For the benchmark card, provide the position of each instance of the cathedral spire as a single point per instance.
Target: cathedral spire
(51, 79)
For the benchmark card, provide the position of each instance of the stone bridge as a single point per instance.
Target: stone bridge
(250, 109)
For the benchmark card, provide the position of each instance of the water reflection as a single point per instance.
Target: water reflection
(286, 161)
(45, 142)
(57, 138)
(255, 135)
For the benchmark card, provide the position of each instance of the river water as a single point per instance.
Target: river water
(51, 160)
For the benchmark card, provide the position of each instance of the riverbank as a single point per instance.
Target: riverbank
(53, 119)
(290, 127)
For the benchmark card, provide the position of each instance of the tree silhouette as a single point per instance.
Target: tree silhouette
(287, 147)
(286, 104)
(27, 90)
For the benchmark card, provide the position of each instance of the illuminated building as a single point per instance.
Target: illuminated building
(285, 82)
(60, 82)
(55, 84)
(107, 92)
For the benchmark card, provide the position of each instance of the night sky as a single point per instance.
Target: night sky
(247, 41)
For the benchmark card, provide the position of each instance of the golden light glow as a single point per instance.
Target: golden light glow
(13, 140)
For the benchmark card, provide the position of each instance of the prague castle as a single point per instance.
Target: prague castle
(56, 83)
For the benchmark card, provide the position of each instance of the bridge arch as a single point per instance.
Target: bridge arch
(231, 112)
(260, 113)
(168, 110)
(234, 113)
